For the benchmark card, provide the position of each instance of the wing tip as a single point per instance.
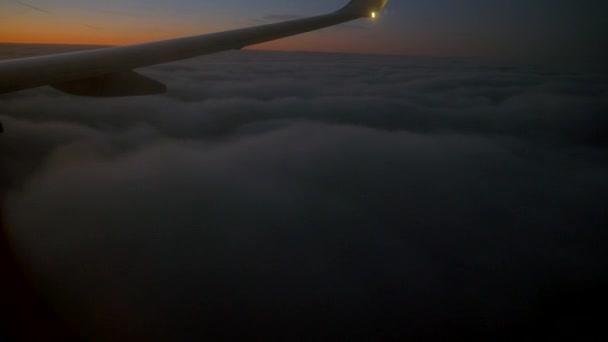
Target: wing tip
(364, 8)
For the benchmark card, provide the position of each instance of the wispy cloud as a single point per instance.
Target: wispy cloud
(282, 17)
(35, 8)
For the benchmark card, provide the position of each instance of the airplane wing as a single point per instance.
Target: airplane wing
(109, 71)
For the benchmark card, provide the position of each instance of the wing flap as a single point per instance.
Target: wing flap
(116, 84)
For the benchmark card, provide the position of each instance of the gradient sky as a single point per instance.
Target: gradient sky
(489, 28)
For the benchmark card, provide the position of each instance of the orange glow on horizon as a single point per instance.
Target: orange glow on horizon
(74, 31)
(83, 36)
(96, 30)
(75, 38)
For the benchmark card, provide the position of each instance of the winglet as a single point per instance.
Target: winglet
(364, 8)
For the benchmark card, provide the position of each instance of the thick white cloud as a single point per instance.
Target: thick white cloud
(290, 195)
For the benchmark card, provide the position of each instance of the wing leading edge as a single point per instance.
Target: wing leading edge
(109, 71)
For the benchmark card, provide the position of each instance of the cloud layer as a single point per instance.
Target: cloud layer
(304, 195)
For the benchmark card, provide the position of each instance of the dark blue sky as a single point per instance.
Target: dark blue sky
(508, 28)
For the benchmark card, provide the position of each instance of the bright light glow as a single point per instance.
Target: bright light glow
(373, 14)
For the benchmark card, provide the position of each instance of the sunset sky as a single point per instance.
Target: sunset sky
(384, 193)
(515, 28)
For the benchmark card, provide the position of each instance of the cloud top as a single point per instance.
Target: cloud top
(276, 195)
